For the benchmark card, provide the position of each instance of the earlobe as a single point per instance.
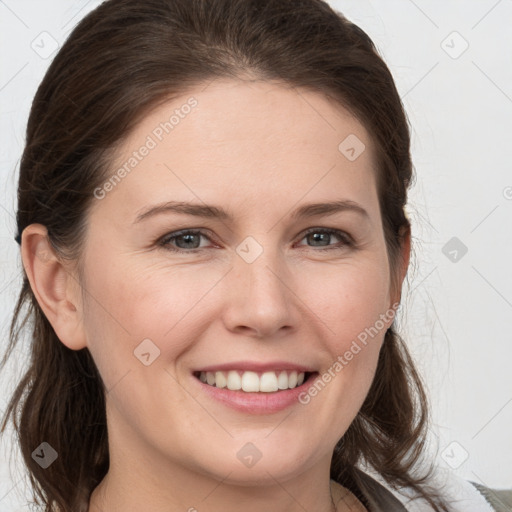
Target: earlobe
(55, 287)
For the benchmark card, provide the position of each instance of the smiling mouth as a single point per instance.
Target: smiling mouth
(255, 382)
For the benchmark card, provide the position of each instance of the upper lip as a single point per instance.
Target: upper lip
(256, 366)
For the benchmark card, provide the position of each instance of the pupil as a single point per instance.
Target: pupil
(188, 238)
(318, 237)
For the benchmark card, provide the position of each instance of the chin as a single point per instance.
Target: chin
(256, 460)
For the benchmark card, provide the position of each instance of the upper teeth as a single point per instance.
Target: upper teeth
(267, 382)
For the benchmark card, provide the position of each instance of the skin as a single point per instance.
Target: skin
(259, 150)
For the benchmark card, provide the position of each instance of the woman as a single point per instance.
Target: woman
(212, 227)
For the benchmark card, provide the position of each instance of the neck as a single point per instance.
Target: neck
(140, 477)
(219, 496)
(200, 494)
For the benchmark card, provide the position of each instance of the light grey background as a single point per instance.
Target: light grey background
(458, 313)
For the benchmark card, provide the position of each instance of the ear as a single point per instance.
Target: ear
(402, 264)
(54, 285)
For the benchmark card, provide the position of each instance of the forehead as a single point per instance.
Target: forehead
(247, 141)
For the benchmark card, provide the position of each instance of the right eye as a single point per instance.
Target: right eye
(183, 241)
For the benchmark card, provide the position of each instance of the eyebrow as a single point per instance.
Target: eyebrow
(216, 212)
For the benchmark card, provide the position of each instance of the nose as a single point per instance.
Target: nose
(261, 302)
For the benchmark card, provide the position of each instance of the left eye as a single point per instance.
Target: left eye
(324, 235)
(190, 240)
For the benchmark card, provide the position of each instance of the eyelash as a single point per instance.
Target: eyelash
(164, 242)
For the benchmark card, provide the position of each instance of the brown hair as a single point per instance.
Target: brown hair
(123, 59)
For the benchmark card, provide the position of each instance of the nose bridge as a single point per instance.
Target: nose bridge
(262, 299)
(261, 263)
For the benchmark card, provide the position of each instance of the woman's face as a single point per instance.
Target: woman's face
(262, 285)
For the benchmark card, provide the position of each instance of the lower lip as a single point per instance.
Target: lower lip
(257, 403)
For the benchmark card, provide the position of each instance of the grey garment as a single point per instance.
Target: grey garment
(379, 499)
(499, 499)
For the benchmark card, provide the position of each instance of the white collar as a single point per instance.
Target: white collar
(461, 494)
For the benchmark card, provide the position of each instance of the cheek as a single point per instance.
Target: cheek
(349, 301)
(127, 305)
(353, 311)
